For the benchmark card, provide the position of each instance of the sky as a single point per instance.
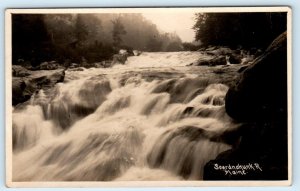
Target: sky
(181, 23)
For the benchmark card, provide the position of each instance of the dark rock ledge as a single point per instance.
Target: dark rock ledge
(259, 102)
(25, 82)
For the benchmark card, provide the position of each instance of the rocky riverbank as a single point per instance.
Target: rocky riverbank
(216, 56)
(259, 101)
(27, 79)
(26, 82)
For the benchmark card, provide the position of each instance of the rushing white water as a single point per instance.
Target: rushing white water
(163, 59)
(150, 119)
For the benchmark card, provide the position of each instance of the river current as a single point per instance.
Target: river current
(154, 118)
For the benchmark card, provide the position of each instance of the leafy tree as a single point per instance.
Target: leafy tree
(118, 30)
(30, 39)
(65, 23)
(173, 43)
(81, 30)
(69, 38)
(187, 46)
(154, 44)
(239, 29)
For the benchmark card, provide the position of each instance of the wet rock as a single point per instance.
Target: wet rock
(235, 59)
(219, 51)
(219, 71)
(128, 51)
(19, 71)
(99, 64)
(210, 48)
(201, 49)
(18, 87)
(119, 59)
(242, 69)
(74, 65)
(53, 65)
(137, 52)
(24, 87)
(215, 56)
(215, 61)
(262, 91)
(259, 102)
(76, 69)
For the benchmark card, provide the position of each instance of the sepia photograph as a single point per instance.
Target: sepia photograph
(148, 97)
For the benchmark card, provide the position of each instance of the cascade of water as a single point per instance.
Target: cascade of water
(120, 124)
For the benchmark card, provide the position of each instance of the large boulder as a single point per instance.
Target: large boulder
(213, 61)
(24, 87)
(262, 90)
(119, 59)
(19, 95)
(19, 71)
(219, 51)
(235, 58)
(259, 103)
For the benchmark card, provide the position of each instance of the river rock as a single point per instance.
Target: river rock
(214, 61)
(137, 52)
(18, 87)
(128, 51)
(19, 71)
(210, 48)
(53, 65)
(259, 102)
(235, 59)
(76, 69)
(24, 87)
(261, 91)
(119, 59)
(219, 51)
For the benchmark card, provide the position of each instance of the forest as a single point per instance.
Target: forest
(85, 37)
(90, 38)
(239, 30)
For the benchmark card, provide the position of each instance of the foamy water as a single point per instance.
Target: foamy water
(145, 120)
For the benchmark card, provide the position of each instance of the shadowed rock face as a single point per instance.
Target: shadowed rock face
(24, 87)
(262, 90)
(120, 58)
(259, 101)
(235, 59)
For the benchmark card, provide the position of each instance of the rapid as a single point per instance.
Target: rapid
(153, 118)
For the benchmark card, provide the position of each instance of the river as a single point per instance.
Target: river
(154, 118)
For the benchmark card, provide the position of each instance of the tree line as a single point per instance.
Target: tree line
(245, 30)
(79, 38)
(68, 38)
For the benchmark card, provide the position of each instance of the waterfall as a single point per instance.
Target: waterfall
(150, 119)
